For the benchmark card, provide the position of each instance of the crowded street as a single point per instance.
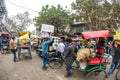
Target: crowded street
(59, 39)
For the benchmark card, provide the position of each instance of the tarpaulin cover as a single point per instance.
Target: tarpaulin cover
(95, 34)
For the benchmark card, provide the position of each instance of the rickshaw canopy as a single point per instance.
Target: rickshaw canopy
(5, 34)
(95, 34)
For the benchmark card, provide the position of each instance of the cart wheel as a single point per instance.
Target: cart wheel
(2, 51)
(55, 63)
(97, 74)
(117, 76)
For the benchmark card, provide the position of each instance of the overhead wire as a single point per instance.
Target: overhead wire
(17, 5)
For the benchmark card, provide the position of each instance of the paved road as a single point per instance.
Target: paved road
(27, 69)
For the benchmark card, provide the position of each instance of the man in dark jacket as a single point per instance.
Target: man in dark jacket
(69, 57)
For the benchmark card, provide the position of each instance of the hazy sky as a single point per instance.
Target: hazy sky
(33, 7)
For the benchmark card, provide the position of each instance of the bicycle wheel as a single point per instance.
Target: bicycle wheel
(97, 74)
(55, 63)
(117, 76)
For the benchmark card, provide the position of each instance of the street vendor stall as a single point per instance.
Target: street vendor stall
(24, 46)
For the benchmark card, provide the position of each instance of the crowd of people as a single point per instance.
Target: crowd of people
(67, 48)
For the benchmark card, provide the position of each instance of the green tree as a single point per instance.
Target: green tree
(22, 21)
(100, 14)
(56, 16)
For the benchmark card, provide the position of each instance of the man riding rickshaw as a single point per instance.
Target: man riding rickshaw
(91, 61)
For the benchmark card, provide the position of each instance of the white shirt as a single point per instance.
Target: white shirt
(60, 47)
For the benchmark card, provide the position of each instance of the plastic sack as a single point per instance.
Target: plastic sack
(108, 58)
(24, 37)
(83, 65)
(84, 54)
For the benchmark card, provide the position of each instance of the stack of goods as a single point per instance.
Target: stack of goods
(34, 40)
(23, 40)
(117, 38)
(51, 48)
(117, 35)
(83, 55)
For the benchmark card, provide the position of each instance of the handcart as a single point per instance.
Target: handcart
(24, 46)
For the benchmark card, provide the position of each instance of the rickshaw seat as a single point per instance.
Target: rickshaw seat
(97, 60)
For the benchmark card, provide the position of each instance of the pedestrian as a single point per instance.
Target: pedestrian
(13, 48)
(0, 42)
(115, 60)
(45, 48)
(69, 57)
(60, 48)
(65, 49)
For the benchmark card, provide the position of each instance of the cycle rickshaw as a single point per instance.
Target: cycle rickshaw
(5, 43)
(96, 66)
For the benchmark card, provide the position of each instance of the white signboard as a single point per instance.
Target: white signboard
(47, 28)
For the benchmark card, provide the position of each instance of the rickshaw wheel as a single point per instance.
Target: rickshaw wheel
(98, 74)
(117, 76)
(55, 63)
(3, 51)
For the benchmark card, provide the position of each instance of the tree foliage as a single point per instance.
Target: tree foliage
(100, 14)
(56, 16)
(21, 21)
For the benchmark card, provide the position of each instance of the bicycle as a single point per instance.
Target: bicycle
(56, 62)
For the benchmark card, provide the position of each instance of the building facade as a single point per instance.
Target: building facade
(3, 16)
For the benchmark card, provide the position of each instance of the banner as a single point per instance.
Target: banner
(47, 28)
